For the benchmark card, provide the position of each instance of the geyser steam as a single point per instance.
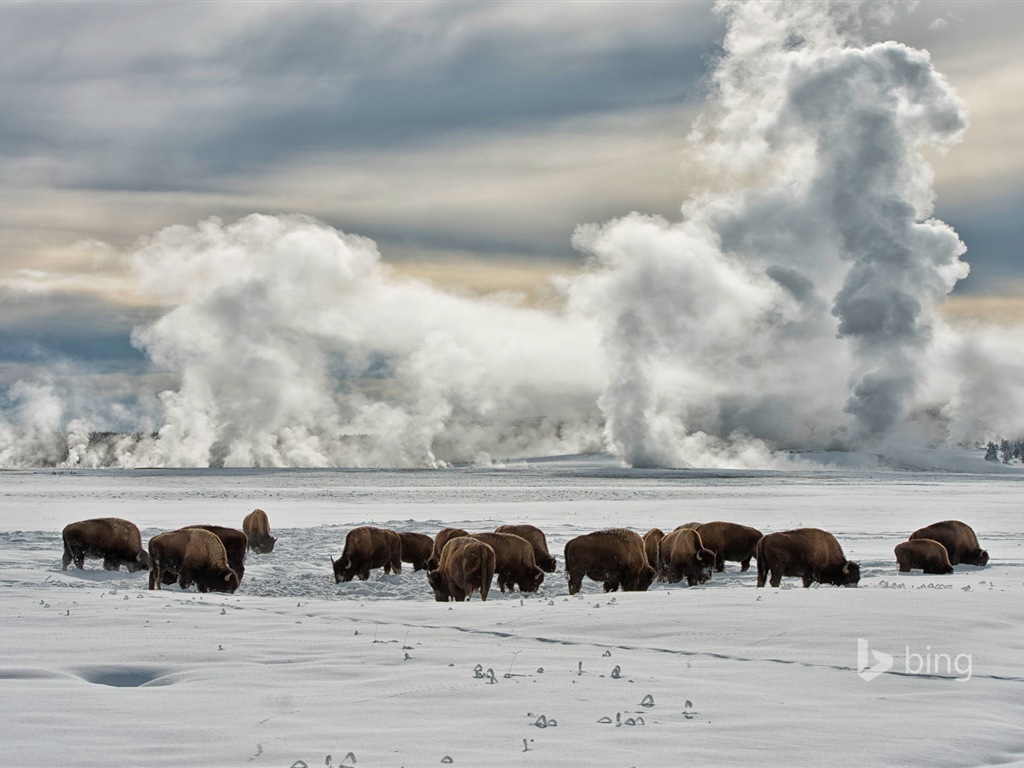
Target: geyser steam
(764, 306)
(796, 309)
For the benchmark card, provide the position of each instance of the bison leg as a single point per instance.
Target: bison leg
(745, 565)
(611, 585)
(65, 561)
(904, 567)
(110, 564)
(154, 572)
(719, 564)
(776, 578)
(808, 578)
(575, 581)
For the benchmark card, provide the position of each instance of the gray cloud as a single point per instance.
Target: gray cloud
(483, 132)
(123, 97)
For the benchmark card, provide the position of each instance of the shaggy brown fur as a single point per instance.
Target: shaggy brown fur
(368, 547)
(235, 544)
(117, 542)
(196, 556)
(615, 557)
(514, 561)
(729, 541)
(811, 553)
(959, 540)
(416, 548)
(466, 565)
(683, 555)
(652, 548)
(440, 540)
(537, 540)
(256, 527)
(927, 554)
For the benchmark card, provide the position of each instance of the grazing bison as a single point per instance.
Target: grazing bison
(416, 548)
(367, 547)
(196, 555)
(683, 554)
(535, 536)
(615, 557)
(118, 542)
(256, 527)
(514, 562)
(810, 553)
(959, 540)
(652, 548)
(466, 565)
(730, 541)
(927, 554)
(235, 544)
(440, 540)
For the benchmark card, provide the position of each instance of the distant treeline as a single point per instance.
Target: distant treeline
(1005, 450)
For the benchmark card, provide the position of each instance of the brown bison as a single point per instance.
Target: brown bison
(730, 541)
(683, 554)
(652, 548)
(368, 547)
(927, 554)
(440, 540)
(416, 548)
(535, 536)
(467, 565)
(615, 557)
(256, 527)
(196, 556)
(235, 544)
(117, 542)
(959, 540)
(514, 562)
(810, 553)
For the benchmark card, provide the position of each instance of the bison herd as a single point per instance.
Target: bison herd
(210, 556)
(459, 563)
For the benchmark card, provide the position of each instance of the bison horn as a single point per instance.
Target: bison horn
(700, 556)
(846, 568)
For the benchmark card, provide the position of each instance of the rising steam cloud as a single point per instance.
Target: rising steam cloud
(795, 311)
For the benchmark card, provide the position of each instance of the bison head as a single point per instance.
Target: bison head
(642, 580)
(672, 573)
(846, 575)
(439, 583)
(706, 560)
(344, 570)
(530, 579)
(977, 557)
(140, 563)
(266, 545)
(547, 564)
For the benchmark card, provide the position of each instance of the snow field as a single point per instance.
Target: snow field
(97, 670)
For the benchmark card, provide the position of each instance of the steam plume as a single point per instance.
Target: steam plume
(795, 309)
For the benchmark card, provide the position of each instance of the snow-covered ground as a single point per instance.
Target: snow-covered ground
(95, 670)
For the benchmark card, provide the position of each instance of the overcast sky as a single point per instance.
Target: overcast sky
(467, 139)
